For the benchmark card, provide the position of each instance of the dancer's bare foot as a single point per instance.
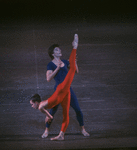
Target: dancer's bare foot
(45, 134)
(85, 133)
(60, 137)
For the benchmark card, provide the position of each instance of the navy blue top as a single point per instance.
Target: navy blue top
(60, 76)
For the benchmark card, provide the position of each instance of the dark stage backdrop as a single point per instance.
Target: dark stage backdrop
(66, 10)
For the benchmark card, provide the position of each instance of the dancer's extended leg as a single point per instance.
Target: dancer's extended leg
(64, 87)
(64, 95)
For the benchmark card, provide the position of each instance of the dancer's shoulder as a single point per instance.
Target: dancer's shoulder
(66, 62)
(50, 66)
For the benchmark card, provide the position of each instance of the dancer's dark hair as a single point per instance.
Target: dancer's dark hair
(51, 49)
(36, 98)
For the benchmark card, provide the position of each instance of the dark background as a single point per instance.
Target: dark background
(66, 10)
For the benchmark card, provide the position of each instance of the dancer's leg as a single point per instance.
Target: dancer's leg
(75, 105)
(65, 94)
(64, 87)
(65, 105)
(70, 75)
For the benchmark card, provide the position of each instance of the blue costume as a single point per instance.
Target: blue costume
(59, 77)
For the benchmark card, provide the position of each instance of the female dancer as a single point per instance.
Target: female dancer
(61, 95)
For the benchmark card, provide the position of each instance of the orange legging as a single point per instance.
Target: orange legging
(62, 93)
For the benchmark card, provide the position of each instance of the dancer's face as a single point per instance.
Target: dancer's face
(34, 105)
(57, 52)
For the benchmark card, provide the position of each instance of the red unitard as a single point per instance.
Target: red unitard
(62, 93)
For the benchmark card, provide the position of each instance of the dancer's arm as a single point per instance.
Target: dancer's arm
(43, 110)
(50, 74)
(48, 120)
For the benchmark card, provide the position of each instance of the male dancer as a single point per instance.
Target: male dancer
(59, 73)
(61, 95)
